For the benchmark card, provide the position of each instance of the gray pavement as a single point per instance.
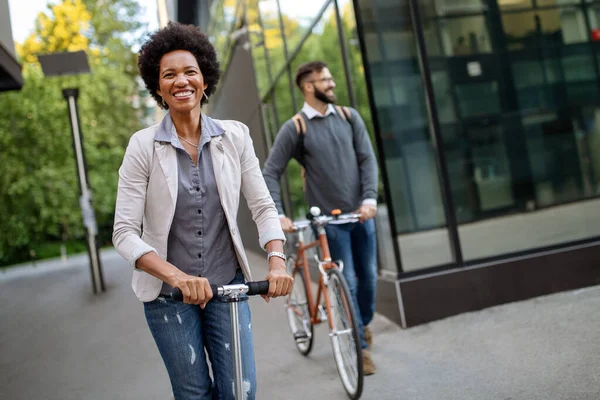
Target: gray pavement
(58, 341)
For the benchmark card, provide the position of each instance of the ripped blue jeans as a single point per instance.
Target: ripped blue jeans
(182, 332)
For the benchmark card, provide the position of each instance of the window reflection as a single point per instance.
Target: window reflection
(552, 27)
(403, 123)
(260, 53)
(515, 84)
(297, 20)
(594, 20)
(508, 5)
(272, 32)
(464, 36)
(544, 3)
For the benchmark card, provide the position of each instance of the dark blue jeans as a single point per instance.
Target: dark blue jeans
(182, 332)
(356, 245)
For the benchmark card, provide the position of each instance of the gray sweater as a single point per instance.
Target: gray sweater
(341, 169)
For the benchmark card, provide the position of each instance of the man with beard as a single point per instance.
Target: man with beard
(333, 146)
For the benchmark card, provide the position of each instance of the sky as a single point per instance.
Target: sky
(23, 14)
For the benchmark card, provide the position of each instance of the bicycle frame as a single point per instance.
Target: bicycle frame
(324, 265)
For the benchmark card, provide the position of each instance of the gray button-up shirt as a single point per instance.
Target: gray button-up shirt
(199, 241)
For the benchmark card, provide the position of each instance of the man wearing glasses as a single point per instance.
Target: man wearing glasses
(340, 171)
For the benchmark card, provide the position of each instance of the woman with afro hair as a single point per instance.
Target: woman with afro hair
(175, 217)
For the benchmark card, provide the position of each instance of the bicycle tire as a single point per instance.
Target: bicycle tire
(343, 314)
(297, 311)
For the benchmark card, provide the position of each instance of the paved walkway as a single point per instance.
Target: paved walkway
(60, 342)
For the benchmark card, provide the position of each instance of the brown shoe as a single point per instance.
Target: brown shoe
(369, 367)
(368, 334)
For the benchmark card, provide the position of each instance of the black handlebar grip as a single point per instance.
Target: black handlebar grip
(178, 296)
(258, 287)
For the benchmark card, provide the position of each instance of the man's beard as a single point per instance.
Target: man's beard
(323, 97)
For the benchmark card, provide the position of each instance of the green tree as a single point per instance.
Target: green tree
(115, 30)
(38, 186)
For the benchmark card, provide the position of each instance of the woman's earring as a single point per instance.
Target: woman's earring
(163, 102)
(205, 96)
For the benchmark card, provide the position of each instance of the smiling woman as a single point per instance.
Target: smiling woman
(183, 179)
(181, 87)
(181, 82)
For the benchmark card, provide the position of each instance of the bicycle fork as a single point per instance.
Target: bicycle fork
(325, 279)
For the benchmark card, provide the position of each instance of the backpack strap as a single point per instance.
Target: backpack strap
(299, 123)
(344, 112)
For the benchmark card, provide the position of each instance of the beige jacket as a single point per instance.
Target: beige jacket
(147, 195)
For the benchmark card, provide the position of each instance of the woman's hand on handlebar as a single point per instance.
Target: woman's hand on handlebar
(280, 282)
(195, 289)
(287, 225)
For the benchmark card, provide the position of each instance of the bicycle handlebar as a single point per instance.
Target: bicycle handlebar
(325, 219)
(249, 288)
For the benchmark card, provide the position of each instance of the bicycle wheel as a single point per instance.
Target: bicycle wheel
(297, 311)
(345, 338)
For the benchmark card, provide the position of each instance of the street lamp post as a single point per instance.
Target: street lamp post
(69, 63)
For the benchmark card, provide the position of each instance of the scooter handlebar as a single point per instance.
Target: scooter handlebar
(249, 288)
(257, 287)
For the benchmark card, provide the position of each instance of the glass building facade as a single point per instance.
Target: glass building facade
(515, 90)
(486, 119)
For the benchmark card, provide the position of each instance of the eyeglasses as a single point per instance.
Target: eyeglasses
(329, 80)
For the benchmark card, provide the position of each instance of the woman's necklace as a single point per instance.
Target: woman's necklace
(188, 142)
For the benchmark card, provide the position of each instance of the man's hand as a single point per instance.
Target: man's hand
(280, 283)
(367, 212)
(286, 224)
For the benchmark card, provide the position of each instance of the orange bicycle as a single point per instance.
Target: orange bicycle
(333, 302)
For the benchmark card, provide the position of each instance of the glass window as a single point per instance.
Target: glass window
(519, 130)
(442, 87)
(478, 99)
(545, 27)
(452, 7)
(464, 36)
(594, 19)
(356, 66)
(530, 79)
(297, 18)
(272, 32)
(408, 153)
(506, 5)
(218, 31)
(546, 3)
(223, 19)
(262, 67)
(281, 97)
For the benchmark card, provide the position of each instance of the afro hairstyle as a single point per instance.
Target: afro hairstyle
(176, 36)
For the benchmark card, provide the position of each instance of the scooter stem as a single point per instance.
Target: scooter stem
(236, 349)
